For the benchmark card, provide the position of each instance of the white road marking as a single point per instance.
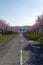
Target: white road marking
(21, 57)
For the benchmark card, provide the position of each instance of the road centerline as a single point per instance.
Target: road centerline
(21, 57)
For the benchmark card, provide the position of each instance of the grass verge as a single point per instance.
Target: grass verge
(6, 38)
(36, 36)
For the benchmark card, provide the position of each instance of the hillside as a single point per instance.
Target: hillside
(20, 27)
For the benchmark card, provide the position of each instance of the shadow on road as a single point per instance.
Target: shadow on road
(36, 54)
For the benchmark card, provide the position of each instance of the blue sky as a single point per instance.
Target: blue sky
(20, 12)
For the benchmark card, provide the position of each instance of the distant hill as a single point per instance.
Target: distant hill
(20, 27)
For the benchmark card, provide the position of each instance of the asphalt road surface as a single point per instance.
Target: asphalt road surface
(10, 53)
(21, 51)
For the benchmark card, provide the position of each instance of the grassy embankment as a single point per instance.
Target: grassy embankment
(6, 38)
(36, 36)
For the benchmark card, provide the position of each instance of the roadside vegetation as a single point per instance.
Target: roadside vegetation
(6, 38)
(7, 32)
(35, 32)
(36, 36)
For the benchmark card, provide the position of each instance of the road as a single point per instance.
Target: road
(10, 53)
(21, 50)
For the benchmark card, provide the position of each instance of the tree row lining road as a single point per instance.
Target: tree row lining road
(10, 53)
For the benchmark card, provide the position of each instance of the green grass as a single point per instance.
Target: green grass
(36, 36)
(6, 38)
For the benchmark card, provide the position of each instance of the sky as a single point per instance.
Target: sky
(20, 12)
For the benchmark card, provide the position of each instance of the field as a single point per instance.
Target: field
(36, 36)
